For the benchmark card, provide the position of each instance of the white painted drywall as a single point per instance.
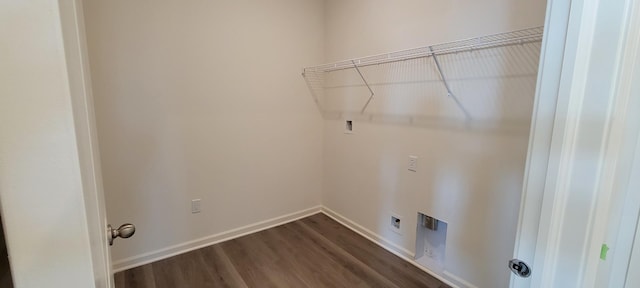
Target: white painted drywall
(204, 99)
(470, 178)
(40, 181)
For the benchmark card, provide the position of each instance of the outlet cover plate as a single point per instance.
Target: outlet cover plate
(348, 127)
(413, 163)
(195, 206)
(395, 223)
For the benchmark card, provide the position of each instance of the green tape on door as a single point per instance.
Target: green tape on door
(603, 251)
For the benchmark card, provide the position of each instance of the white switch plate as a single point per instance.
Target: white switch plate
(413, 163)
(195, 206)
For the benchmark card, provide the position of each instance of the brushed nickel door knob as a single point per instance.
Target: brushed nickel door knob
(124, 231)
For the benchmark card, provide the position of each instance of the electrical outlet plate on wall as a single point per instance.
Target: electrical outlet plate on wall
(412, 165)
(195, 206)
(395, 223)
(348, 127)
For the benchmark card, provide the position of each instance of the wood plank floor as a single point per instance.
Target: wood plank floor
(312, 252)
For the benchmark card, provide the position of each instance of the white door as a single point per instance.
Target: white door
(50, 186)
(633, 279)
(542, 126)
(575, 142)
(632, 262)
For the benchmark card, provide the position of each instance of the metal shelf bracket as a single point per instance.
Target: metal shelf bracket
(365, 83)
(446, 84)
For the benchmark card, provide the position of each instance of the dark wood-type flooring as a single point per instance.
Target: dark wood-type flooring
(5, 270)
(312, 252)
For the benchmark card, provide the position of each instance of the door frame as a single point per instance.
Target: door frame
(542, 126)
(78, 69)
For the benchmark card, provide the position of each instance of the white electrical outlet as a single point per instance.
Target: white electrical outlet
(413, 163)
(195, 206)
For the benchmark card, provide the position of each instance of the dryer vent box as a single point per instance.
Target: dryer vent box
(431, 242)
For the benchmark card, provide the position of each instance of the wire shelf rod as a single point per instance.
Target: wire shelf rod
(520, 37)
(337, 67)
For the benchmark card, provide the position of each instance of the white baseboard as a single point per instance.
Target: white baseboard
(461, 282)
(366, 233)
(406, 255)
(145, 258)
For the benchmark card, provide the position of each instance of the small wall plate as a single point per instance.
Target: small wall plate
(348, 127)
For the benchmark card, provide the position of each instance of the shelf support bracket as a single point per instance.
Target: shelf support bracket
(446, 85)
(365, 83)
(313, 93)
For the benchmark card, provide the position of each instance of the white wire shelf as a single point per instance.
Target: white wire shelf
(517, 37)
(315, 76)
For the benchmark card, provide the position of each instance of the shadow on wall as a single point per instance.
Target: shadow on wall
(495, 86)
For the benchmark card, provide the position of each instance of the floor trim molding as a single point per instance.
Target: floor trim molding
(149, 257)
(366, 233)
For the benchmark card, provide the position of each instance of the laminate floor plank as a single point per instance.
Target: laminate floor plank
(133, 277)
(312, 252)
(326, 268)
(394, 268)
(302, 263)
(250, 272)
(119, 281)
(340, 258)
(220, 267)
(167, 273)
(194, 270)
(284, 259)
(252, 258)
(139, 277)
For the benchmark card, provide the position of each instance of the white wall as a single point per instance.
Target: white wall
(204, 99)
(470, 178)
(40, 181)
